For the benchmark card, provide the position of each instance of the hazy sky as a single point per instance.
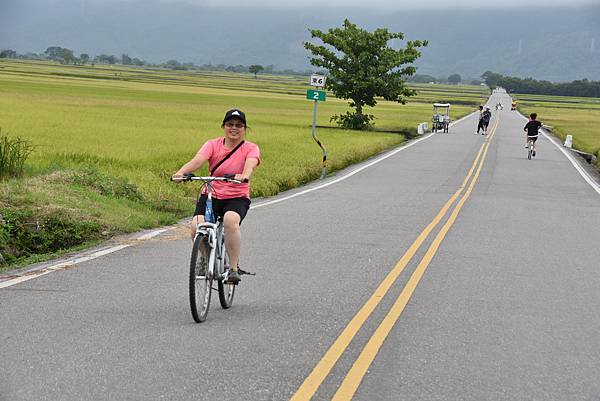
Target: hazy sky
(371, 4)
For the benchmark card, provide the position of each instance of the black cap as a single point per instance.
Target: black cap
(234, 113)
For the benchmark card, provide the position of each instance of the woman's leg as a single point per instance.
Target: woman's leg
(198, 219)
(233, 237)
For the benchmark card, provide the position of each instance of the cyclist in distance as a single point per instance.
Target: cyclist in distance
(532, 127)
(231, 201)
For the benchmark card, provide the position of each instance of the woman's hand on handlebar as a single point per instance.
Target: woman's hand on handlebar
(181, 177)
(241, 178)
(237, 177)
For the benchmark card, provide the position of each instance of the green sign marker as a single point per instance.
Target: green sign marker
(315, 95)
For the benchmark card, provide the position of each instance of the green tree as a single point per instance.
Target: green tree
(8, 53)
(255, 69)
(84, 58)
(454, 79)
(362, 66)
(106, 59)
(60, 54)
(173, 65)
(126, 60)
(491, 78)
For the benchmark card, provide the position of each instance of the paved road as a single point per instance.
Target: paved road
(498, 302)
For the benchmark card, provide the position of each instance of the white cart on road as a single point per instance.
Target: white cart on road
(441, 117)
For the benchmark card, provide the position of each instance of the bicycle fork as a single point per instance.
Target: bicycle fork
(208, 230)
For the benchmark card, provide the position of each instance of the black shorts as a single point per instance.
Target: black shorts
(532, 138)
(220, 206)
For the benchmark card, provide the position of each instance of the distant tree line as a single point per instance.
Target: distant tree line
(66, 56)
(581, 88)
(453, 79)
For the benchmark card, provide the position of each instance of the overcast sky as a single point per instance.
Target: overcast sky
(339, 5)
(395, 5)
(379, 4)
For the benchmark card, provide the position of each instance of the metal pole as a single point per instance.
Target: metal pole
(314, 129)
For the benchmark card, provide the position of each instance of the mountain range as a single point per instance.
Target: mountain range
(556, 44)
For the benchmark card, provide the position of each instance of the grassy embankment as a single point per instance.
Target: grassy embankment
(107, 139)
(577, 116)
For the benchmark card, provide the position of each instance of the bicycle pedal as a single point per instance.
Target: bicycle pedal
(244, 272)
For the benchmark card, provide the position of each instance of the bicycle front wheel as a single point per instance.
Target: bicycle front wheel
(226, 291)
(200, 283)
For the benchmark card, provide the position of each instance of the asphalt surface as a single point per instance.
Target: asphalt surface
(506, 310)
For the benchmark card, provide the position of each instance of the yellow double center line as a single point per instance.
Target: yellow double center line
(355, 375)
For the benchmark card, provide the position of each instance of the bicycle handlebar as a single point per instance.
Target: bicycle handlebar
(225, 178)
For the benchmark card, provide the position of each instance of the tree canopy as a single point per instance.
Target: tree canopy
(454, 79)
(361, 66)
(491, 78)
(255, 69)
(8, 53)
(60, 54)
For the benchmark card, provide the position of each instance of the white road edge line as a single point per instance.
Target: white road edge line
(77, 260)
(569, 156)
(62, 265)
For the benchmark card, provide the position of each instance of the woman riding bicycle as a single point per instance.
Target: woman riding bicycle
(230, 154)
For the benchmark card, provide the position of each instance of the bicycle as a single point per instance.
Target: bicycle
(209, 257)
(531, 146)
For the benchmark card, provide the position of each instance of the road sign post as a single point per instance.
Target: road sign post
(318, 96)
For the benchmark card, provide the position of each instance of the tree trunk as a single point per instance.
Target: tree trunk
(358, 107)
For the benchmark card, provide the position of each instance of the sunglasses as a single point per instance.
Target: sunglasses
(234, 125)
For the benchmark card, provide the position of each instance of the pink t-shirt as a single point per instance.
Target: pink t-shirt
(214, 150)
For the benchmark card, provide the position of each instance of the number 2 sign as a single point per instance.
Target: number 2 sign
(315, 95)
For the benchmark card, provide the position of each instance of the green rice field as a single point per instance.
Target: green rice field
(107, 138)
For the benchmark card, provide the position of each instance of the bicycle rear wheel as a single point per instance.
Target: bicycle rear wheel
(529, 151)
(226, 291)
(200, 283)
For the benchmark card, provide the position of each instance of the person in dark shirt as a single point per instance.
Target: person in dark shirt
(532, 127)
(480, 123)
(486, 116)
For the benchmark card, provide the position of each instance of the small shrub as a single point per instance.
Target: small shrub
(353, 121)
(13, 153)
